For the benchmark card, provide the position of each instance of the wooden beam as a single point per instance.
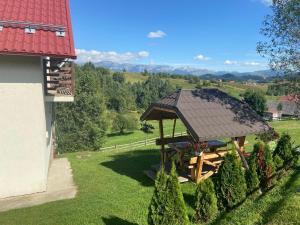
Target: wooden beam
(238, 148)
(199, 167)
(241, 142)
(215, 155)
(162, 150)
(174, 126)
(173, 140)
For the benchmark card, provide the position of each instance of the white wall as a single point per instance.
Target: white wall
(24, 155)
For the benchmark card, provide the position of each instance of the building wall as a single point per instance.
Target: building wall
(24, 142)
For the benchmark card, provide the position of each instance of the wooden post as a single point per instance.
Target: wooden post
(238, 148)
(162, 150)
(199, 167)
(241, 142)
(174, 126)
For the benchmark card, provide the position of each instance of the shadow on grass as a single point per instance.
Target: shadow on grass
(133, 163)
(113, 220)
(119, 134)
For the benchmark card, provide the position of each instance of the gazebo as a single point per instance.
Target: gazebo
(209, 116)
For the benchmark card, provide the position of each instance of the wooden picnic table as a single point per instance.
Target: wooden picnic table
(184, 147)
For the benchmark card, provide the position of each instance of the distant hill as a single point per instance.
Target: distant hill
(186, 70)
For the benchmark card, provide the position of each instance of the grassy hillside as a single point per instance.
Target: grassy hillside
(114, 191)
(234, 89)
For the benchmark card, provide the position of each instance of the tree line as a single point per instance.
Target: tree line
(104, 103)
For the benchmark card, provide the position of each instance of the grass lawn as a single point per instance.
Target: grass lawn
(114, 191)
(138, 135)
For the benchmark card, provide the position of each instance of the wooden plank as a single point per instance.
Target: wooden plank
(210, 163)
(241, 142)
(174, 126)
(166, 141)
(207, 175)
(237, 147)
(199, 167)
(214, 155)
(161, 132)
(193, 160)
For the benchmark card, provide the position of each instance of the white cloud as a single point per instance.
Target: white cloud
(157, 34)
(97, 56)
(230, 62)
(252, 63)
(201, 57)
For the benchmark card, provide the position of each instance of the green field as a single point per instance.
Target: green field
(114, 191)
(138, 135)
(234, 89)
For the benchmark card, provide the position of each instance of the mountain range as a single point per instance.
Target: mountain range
(185, 70)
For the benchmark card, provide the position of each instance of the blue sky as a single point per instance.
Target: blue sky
(210, 34)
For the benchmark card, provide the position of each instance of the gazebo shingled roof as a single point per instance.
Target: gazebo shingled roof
(208, 114)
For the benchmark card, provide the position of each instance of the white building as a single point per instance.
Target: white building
(36, 44)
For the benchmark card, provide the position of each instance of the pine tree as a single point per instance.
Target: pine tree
(284, 149)
(206, 201)
(176, 210)
(231, 184)
(265, 166)
(157, 208)
(251, 176)
(167, 205)
(269, 168)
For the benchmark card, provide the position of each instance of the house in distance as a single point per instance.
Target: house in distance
(36, 48)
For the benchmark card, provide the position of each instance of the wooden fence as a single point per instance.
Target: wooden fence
(138, 144)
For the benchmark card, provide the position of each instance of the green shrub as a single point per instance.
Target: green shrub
(206, 201)
(157, 208)
(231, 184)
(284, 149)
(124, 122)
(265, 166)
(251, 176)
(176, 210)
(278, 162)
(167, 204)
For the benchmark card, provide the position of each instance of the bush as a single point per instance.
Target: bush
(284, 149)
(176, 210)
(147, 128)
(265, 166)
(206, 201)
(256, 100)
(124, 122)
(251, 176)
(157, 208)
(167, 205)
(231, 184)
(278, 162)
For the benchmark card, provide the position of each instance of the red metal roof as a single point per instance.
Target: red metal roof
(44, 42)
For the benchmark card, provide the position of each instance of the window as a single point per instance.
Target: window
(29, 30)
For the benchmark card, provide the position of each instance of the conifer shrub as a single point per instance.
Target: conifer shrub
(284, 149)
(231, 183)
(167, 204)
(157, 209)
(265, 165)
(176, 211)
(278, 162)
(206, 201)
(251, 176)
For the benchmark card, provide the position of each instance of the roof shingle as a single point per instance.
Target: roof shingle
(14, 40)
